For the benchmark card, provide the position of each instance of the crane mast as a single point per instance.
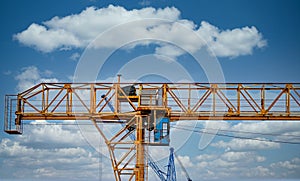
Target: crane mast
(146, 110)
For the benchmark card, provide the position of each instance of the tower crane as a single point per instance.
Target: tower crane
(171, 172)
(146, 110)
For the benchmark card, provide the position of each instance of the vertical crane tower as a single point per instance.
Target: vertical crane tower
(146, 110)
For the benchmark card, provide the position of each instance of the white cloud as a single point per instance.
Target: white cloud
(212, 128)
(289, 164)
(47, 40)
(281, 130)
(246, 144)
(51, 152)
(75, 56)
(229, 165)
(29, 73)
(27, 78)
(185, 160)
(52, 135)
(29, 162)
(30, 76)
(206, 157)
(259, 171)
(158, 153)
(242, 157)
(279, 127)
(231, 43)
(14, 148)
(78, 30)
(169, 51)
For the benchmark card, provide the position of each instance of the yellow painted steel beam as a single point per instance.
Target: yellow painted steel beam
(173, 117)
(108, 103)
(83, 101)
(140, 150)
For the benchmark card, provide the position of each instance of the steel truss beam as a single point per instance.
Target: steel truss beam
(190, 101)
(110, 103)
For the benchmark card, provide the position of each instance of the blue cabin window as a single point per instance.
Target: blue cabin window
(162, 131)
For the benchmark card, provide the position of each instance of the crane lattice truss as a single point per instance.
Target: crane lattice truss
(146, 109)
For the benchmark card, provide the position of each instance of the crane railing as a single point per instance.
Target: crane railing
(187, 101)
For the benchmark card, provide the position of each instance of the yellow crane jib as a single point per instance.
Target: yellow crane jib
(147, 109)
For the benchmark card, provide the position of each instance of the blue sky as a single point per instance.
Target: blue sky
(251, 41)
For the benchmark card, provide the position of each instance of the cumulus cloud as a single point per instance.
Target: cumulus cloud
(51, 152)
(228, 165)
(259, 171)
(185, 160)
(67, 162)
(283, 131)
(30, 76)
(27, 78)
(75, 56)
(289, 164)
(57, 135)
(14, 148)
(231, 43)
(242, 144)
(267, 127)
(242, 157)
(206, 157)
(169, 51)
(47, 40)
(78, 30)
